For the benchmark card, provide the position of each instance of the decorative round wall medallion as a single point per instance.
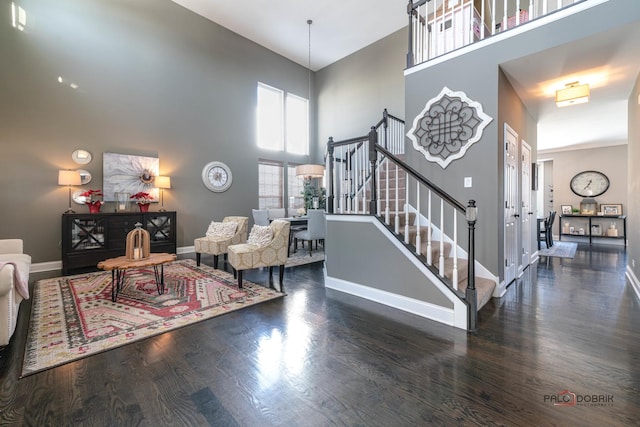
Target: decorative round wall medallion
(217, 176)
(85, 176)
(589, 183)
(81, 157)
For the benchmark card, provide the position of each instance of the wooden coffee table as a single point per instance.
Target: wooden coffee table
(120, 265)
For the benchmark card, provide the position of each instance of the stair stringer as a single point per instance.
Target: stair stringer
(481, 270)
(456, 316)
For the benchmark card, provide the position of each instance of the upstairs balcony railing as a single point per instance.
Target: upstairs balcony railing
(437, 27)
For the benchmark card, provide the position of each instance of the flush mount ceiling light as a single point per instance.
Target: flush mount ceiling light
(573, 93)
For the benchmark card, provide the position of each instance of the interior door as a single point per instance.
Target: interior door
(526, 215)
(511, 208)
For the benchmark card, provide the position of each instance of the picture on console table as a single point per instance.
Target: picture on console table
(566, 209)
(124, 173)
(611, 209)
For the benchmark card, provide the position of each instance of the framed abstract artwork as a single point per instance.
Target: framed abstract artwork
(124, 173)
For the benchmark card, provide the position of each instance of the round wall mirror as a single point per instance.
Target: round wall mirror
(81, 157)
(76, 196)
(85, 176)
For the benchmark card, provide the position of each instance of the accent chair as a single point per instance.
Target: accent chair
(216, 244)
(250, 255)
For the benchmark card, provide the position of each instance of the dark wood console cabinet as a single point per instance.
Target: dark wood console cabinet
(93, 237)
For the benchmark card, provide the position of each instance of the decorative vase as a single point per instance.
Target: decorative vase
(94, 207)
(144, 207)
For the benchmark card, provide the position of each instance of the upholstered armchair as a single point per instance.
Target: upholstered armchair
(14, 285)
(219, 238)
(263, 254)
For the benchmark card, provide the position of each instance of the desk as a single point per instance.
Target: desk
(120, 265)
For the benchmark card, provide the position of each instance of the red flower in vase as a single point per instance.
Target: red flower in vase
(92, 201)
(142, 198)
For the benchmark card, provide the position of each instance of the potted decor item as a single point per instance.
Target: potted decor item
(91, 200)
(143, 200)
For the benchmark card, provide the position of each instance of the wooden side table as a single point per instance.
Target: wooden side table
(118, 267)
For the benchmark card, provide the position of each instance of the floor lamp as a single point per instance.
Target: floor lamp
(69, 178)
(162, 182)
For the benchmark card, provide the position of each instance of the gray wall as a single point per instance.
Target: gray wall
(398, 275)
(353, 92)
(612, 161)
(633, 201)
(154, 79)
(477, 74)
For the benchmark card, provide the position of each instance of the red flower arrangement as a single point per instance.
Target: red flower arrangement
(92, 201)
(142, 198)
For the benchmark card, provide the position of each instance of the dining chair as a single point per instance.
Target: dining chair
(316, 229)
(260, 216)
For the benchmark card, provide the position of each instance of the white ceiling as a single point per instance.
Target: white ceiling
(609, 62)
(339, 28)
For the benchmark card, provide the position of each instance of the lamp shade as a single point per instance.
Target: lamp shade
(310, 171)
(163, 182)
(69, 177)
(574, 93)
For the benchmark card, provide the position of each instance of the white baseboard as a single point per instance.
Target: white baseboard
(57, 265)
(420, 308)
(635, 283)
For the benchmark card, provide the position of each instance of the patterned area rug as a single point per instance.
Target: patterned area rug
(301, 256)
(73, 316)
(560, 249)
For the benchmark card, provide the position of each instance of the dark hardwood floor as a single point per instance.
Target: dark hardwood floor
(318, 357)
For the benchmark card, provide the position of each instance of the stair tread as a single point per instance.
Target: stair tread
(484, 289)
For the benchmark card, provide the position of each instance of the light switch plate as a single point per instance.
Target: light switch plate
(467, 182)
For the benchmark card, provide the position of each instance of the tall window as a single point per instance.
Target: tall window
(270, 184)
(295, 187)
(282, 125)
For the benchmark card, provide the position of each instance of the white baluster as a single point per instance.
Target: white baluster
(386, 188)
(493, 17)
(406, 209)
(454, 276)
(441, 259)
(517, 12)
(356, 177)
(429, 256)
(505, 16)
(418, 239)
(378, 189)
(559, 6)
(397, 216)
(532, 12)
(349, 176)
(544, 7)
(364, 185)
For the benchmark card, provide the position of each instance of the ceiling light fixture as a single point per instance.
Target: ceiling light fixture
(573, 93)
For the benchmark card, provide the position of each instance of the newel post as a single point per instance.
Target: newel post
(410, 50)
(373, 156)
(385, 124)
(471, 293)
(330, 196)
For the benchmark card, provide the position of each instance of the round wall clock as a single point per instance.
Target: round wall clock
(217, 176)
(589, 183)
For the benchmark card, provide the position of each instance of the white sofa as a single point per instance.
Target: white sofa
(10, 297)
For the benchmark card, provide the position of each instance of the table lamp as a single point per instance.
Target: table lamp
(69, 178)
(162, 182)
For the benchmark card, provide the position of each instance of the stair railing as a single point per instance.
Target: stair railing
(443, 215)
(438, 27)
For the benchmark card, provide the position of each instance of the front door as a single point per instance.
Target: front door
(511, 202)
